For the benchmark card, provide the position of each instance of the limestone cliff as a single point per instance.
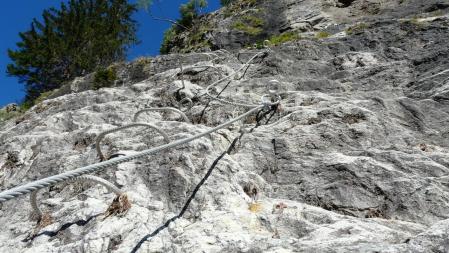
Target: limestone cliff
(356, 162)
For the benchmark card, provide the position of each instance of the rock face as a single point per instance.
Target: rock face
(246, 22)
(356, 162)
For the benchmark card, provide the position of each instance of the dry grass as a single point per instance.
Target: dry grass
(119, 206)
(44, 221)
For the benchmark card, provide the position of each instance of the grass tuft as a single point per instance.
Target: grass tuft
(322, 35)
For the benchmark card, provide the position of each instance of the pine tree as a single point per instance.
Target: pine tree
(78, 38)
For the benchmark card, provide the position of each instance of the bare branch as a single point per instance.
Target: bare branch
(170, 21)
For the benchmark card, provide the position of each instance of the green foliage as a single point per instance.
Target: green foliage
(249, 24)
(71, 41)
(5, 115)
(249, 2)
(277, 40)
(258, 45)
(26, 105)
(253, 21)
(42, 97)
(239, 25)
(196, 38)
(143, 61)
(226, 2)
(167, 41)
(242, 2)
(104, 78)
(356, 28)
(233, 7)
(189, 12)
(283, 37)
(322, 35)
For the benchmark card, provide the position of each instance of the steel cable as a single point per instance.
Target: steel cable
(259, 116)
(228, 77)
(45, 182)
(184, 117)
(103, 134)
(95, 179)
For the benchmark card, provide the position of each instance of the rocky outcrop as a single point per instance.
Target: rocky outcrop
(357, 161)
(248, 22)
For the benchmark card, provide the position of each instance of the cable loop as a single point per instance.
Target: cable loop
(189, 104)
(45, 182)
(111, 187)
(267, 44)
(267, 100)
(103, 134)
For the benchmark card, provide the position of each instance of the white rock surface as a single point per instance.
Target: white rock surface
(359, 158)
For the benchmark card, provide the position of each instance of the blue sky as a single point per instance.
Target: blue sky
(16, 16)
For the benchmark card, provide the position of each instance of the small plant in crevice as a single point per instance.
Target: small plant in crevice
(139, 69)
(358, 28)
(240, 26)
(239, 3)
(253, 20)
(418, 23)
(43, 96)
(142, 61)
(6, 115)
(283, 37)
(234, 7)
(44, 221)
(197, 38)
(119, 206)
(12, 159)
(104, 78)
(322, 35)
(248, 24)
(276, 40)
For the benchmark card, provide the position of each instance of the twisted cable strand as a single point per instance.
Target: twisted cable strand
(103, 134)
(45, 182)
(184, 117)
(259, 116)
(42, 183)
(111, 187)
